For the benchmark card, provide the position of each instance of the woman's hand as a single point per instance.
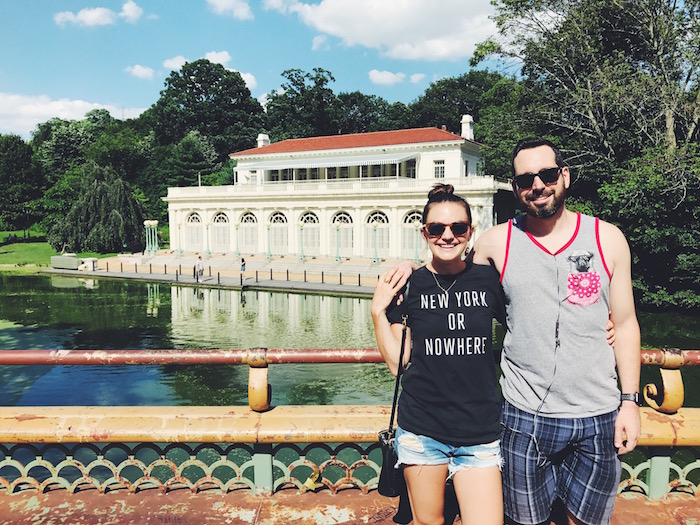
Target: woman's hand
(610, 332)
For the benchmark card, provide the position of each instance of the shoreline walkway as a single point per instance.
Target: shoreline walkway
(324, 276)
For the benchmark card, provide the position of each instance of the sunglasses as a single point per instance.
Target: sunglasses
(547, 176)
(436, 229)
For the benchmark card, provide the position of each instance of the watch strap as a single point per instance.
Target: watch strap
(631, 397)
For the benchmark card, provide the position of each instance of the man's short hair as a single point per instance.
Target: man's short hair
(535, 142)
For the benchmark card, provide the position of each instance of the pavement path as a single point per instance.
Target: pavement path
(345, 277)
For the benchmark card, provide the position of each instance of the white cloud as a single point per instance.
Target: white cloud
(417, 77)
(97, 16)
(319, 42)
(409, 30)
(386, 78)
(218, 57)
(175, 63)
(140, 72)
(238, 9)
(131, 12)
(249, 80)
(20, 114)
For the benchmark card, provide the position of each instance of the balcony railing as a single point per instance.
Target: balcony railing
(334, 186)
(265, 449)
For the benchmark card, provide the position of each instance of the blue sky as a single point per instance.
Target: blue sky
(64, 58)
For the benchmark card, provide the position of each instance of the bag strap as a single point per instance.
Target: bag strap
(400, 368)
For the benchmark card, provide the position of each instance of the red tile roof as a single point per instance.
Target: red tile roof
(356, 140)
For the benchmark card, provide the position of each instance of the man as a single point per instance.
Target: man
(562, 274)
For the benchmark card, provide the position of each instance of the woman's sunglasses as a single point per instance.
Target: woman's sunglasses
(547, 176)
(436, 229)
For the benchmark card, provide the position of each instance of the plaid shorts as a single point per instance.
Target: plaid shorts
(547, 458)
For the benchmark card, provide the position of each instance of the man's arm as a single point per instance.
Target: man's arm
(627, 337)
(490, 247)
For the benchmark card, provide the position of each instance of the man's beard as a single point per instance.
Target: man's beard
(547, 211)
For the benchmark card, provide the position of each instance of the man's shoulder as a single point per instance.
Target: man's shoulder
(494, 235)
(490, 246)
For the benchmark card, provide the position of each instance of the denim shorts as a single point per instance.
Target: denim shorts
(414, 449)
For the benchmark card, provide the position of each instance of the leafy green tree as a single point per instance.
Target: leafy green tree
(360, 113)
(615, 83)
(106, 217)
(62, 146)
(658, 209)
(192, 158)
(210, 99)
(446, 100)
(304, 106)
(21, 181)
(59, 198)
(122, 148)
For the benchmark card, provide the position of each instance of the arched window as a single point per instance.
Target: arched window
(377, 235)
(310, 233)
(220, 233)
(342, 233)
(279, 234)
(248, 233)
(194, 236)
(412, 243)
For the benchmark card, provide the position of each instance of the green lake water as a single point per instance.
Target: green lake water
(56, 312)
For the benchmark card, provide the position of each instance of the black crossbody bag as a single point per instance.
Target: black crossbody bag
(391, 481)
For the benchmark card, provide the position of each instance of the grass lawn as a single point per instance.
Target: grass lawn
(28, 253)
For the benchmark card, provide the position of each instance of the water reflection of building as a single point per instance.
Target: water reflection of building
(267, 319)
(153, 299)
(341, 196)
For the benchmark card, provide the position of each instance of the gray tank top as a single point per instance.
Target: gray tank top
(556, 360)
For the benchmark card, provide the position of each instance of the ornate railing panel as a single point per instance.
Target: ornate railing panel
(263, 449)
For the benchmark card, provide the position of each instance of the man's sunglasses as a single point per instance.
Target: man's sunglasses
(547, 176)
(436, 229)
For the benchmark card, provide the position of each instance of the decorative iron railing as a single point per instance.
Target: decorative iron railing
(264, 449)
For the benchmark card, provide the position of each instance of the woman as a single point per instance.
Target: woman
(449, 406)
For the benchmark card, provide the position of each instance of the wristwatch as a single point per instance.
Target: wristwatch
(631, 397)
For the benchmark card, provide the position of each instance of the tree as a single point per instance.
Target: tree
(193, 157)
(210, 99)
(446, 100)
(304, 106)
(616, 76)
(21, 181)
(615, 83)
(658, 210)
(107, 217)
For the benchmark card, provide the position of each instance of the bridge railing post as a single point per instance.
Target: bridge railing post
(262, 469)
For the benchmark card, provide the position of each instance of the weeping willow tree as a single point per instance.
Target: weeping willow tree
(105, 218)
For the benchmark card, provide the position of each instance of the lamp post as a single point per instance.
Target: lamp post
(416, 225)
(337, 242)
(302, 257)
(375, 259)
(155, 237)
(147, 231)
(269, 255)
(236, 225)
(208, 252)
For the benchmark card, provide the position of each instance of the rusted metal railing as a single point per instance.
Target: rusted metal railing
(266, 430)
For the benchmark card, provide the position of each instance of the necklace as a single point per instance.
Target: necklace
(440, 286)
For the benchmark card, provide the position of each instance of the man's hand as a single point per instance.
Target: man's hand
(398, 275)
(628, 424)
